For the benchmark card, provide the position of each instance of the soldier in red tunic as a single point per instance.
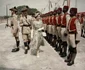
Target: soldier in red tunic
(54, 22)
(65, 19)
(58, 47)
(74, 31)
(47, 24)
(50, 28)
(81, 22)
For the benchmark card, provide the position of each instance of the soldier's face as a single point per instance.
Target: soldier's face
(12, 12)
(65, 10)
(72, 13)
(24, 13)
(59, 12)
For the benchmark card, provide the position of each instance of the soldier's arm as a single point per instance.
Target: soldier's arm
(67, 19)
(11, 23)
(78, 27)
(21, 22)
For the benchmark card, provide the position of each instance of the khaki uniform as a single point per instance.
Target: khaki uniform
(14, 26)
(25, 24)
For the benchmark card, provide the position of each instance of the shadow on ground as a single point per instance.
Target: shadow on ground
(3, 68)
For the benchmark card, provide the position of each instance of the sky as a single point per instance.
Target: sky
(39, 4)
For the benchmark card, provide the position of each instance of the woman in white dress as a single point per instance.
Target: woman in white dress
(37, 39)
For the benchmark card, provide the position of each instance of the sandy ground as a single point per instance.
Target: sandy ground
(48, 60)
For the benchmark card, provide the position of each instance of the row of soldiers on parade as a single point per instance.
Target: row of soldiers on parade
(63, 29)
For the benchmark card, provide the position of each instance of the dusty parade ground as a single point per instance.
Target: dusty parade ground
(48, 60)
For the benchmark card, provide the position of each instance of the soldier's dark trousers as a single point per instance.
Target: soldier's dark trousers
(17, 42)
(56, 44)
(28, 44)
(81, 32)
(63, 50)
(46, 35)
(49, 38)
(26, 47)
(59, 45)
(54, 41)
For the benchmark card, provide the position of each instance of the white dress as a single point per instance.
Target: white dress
(37, 40)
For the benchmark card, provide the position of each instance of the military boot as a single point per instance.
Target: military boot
(72, 59)
(64, 49)
(16, 49)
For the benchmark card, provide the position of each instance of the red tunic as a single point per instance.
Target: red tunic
(72, 26)
(54, 20)
(50, 22)
(64, 20)
(59, 20)
(43, 20)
